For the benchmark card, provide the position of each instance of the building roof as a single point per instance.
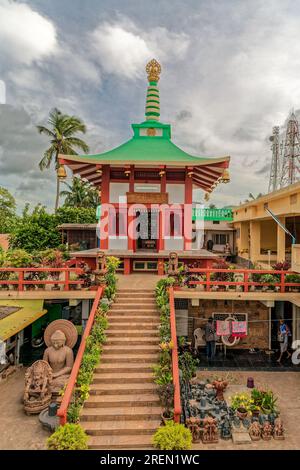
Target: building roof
(27, 312)
(77, 227)
(151, 145)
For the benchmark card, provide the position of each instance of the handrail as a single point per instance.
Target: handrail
(63, 409)
(22, 281)
(175, 367)
(246, 283)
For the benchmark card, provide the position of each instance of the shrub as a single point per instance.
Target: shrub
(173, 436)
(68, 437)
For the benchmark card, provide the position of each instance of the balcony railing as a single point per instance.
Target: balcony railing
(28, 278)
(241, 279)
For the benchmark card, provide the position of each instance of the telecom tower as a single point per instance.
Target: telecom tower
(290, 171)
(275, 164)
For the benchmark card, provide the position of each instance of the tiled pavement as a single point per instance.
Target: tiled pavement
(286, 385)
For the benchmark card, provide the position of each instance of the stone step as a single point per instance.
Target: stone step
(132, 333)
(135, 291)
(143, 303)
(123, 389)
(125, 326)
(129, 358)
(135, 300)
(115, 367)
(134, 313)
(123, 349)
(133, 319)
(132, 341)
(131, 296)
(133, 442)
(123, 378)
(143, 399)
(133, 308)
(121, 428)
(126, 413)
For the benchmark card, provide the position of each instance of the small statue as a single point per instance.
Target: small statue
(267, 431)
(60, 336)
(101, 268)
(220, 386)
(255, 431)
(278, 429)
(210, 432)
(193, 425)
(226, 429)
(173, 264)
(37, 393)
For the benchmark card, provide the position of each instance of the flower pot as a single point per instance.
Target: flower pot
(255, 413)
(242, 413)
(166, 419)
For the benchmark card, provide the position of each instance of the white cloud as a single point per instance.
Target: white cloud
(25, 35)
(123, 49)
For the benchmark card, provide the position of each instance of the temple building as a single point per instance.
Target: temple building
(146, 187)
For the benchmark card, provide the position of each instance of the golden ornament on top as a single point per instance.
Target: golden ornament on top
(153, 70)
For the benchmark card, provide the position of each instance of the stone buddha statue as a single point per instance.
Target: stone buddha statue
(59, 354)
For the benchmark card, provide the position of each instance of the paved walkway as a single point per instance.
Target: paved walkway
(286, 386)
(17, 430)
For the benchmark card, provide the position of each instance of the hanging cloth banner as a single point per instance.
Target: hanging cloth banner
(239, 329)
(223, 328)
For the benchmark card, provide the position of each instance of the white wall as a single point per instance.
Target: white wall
(174, 244)
(176, 193)
(116, 190)
(147, 187)
(117, 243)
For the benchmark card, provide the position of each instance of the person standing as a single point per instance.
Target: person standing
(210, 334)
(283, 337)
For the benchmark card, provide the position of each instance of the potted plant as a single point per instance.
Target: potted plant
(221, 276)
(293, 278)
(173, 436)
(166, 395)
(68, 437)
(241, 403)
(188, 366)
(268, 279)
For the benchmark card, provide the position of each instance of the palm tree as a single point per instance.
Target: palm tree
(62, 132)
(80, 194)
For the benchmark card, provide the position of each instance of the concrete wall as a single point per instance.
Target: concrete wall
(258, 331)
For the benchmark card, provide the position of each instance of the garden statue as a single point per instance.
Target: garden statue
(220, 386)
(255, 431)
(210, 432)
(173, 264)
(267, 431)
(37, 393)
(193, 425)
(226, 429)
(278, 429)
(60, 337)
(101, 268)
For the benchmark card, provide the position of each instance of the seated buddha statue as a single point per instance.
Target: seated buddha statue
(60, 358)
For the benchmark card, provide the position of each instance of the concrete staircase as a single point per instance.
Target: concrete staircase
(123, 409)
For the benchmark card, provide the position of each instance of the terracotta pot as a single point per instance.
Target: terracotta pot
(242, 413)
(255, 413)
(165, 419)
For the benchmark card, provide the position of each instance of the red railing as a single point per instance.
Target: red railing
(246, 282)
(63, 409)
(175, 367)
(22, 281)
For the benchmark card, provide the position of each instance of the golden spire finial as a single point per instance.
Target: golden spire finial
(153, 70)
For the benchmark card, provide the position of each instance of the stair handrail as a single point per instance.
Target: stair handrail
(63, 409)
(175, 366)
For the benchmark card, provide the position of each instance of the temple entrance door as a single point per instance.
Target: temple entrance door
(147, 230)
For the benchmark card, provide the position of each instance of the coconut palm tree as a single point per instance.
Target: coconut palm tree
(62, 131)
(80, 194)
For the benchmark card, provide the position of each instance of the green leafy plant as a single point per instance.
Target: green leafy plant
(173, 436)
(188, 365)
(68, 437)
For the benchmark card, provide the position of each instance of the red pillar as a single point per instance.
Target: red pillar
(104, 212)
(188, 199)
(163, 189)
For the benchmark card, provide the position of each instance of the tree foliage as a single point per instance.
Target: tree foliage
(38, 229)
(7, 211)
(62, 132)
(80, 194)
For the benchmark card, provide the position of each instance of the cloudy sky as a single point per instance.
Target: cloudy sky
(230, 71)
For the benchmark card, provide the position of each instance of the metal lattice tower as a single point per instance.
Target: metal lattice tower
(290, 172)
(275, 164)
